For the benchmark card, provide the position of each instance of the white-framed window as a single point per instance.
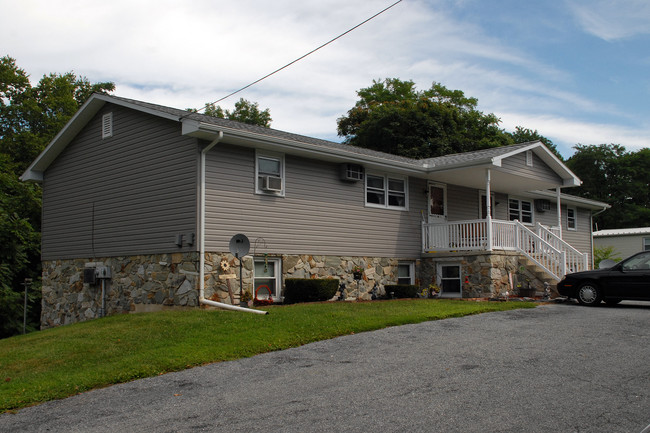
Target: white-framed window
(107, 125)
(529, 158)
(571, 219)
(521, 210)
(450, 279)
(267, 278)
(269, 173)
(386, 191)
(406, 273)
(646, 244)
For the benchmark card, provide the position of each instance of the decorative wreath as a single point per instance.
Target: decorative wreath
(268, 300)
(225, 266)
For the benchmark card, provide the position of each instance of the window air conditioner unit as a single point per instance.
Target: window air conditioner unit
(542, 205)
(351, 172)
(271, 183)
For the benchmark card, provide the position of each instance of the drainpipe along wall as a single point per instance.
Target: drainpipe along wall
(202, 299)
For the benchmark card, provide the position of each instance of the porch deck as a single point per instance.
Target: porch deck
(543, 246)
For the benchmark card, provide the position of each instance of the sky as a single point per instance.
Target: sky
(577, 71)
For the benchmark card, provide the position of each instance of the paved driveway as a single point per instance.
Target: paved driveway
(556, 368)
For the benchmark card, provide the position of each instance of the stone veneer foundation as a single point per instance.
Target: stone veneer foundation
(154, 282)
(489, 274)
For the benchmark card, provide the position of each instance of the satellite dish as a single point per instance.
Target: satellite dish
(239, 245)
(606, 264)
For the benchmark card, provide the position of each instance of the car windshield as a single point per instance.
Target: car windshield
(642, 261)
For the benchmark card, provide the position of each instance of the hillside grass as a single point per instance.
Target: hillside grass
(60, 362)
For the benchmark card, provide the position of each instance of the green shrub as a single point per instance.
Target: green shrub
(308, 290)
(401, 290)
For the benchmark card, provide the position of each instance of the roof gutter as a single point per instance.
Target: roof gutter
(202, 299)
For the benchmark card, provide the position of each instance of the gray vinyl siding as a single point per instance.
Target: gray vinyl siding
(624, 245)
(463, 204)
(319, 214)
(141, 183)
(516, 164)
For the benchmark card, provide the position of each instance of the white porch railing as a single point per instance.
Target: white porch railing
(544, 248)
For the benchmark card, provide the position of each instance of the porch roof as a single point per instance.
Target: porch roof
(464, 169)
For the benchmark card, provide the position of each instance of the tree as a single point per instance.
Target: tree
(611, 174)
(245, 112)
(523, 135)
(392, 116)
(30, 116)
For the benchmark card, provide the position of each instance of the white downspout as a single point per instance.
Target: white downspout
(559, 210)
(202, 299)
(488, 207)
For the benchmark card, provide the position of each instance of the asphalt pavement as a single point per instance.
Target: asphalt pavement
(555, 368)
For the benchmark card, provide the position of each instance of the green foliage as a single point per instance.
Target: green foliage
(392, 116)
(309, 290)
(245, 112)
(617, 177)
(401, 290)
(60, 362)
(524, 135)
(605, 253)
(30, 116)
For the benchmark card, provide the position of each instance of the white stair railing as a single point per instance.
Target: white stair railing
(545, 255)
(575, 260)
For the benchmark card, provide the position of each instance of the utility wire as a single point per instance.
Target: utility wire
(301, 57)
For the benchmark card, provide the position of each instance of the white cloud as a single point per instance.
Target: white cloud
(611, 20)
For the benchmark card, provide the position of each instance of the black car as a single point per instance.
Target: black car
(629, 279)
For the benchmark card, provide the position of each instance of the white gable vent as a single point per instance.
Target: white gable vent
(107, 125)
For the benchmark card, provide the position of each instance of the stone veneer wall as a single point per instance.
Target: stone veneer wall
(152, 282)
(487, 275)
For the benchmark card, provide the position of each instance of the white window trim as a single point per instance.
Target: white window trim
(270, 155)
(532, 210)
(277, 263)
(411, 266)
(387, 176)
(645, 246)
(439, 266)
(575, 219)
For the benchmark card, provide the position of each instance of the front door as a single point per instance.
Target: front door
(437, 203)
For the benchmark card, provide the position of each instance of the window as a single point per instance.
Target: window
(571, 219)
(386, 191)
(405, 273)
(269, 174)
(521, 210)
(107, 125)
(449, 279)
(267, 278)
(646, 244)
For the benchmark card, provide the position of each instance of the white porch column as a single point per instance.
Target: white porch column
(559, 212)
(488, 206)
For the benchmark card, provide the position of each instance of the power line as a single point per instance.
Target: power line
(302, 57)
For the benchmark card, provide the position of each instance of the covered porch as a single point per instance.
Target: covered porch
(543, 245)
(516, 176)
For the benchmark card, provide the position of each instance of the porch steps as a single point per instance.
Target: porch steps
(538, 276)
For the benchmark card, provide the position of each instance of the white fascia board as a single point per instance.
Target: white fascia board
(76, 123)
(572, 199)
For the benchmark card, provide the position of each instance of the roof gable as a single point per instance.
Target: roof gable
(206, 127)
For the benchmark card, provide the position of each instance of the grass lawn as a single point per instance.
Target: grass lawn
(64, 361)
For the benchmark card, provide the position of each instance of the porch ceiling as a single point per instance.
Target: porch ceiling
(500, 181)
